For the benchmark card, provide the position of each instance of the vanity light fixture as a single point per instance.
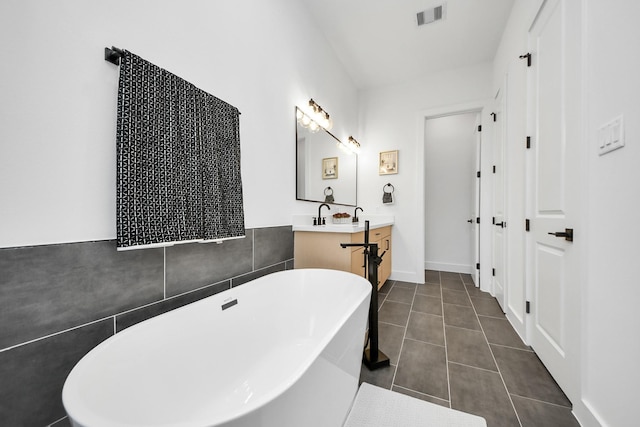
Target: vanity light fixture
(306, 122)
(355, 145)
(351, 146)
(316, 119)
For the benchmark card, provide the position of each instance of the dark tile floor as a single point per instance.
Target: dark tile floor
(450, 344)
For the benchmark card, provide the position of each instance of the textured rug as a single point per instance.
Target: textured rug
(378, 407)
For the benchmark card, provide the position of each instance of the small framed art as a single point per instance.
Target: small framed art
(388, 162)
(330, 168)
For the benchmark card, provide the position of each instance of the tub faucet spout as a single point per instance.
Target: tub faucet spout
(320, 220)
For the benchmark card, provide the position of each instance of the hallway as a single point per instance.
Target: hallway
(468, 359)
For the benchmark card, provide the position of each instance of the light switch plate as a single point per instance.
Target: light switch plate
(611, 136)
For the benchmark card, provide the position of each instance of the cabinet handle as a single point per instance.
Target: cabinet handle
(387, 244)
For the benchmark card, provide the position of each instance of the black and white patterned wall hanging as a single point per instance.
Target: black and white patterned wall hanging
(178, 160)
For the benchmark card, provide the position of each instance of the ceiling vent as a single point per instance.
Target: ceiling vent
(430, 15)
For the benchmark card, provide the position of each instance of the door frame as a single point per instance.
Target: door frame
(499, 127)
(476, 202)
(479, 107)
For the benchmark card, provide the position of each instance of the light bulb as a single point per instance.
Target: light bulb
(329, 125)
(306, 120)
(343, 147)
(313, 126)
(354, 145)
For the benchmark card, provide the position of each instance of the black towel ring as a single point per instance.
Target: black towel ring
(388, 185)
(329, 194)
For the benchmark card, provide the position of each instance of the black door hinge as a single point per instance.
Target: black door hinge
(478, 220)
(494, 115)
(478, 174)
(528, 142)
(527, 225)
(493, 271)
(528, 56)
(493, 220)
(479, 128)
(528, 307)
(494, 168)
(477, 266)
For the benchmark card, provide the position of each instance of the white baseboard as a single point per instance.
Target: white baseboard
(413, 277)
(443, 266)
(586, 415)
(407, 276)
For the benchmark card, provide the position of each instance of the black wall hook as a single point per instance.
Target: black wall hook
(113, 55)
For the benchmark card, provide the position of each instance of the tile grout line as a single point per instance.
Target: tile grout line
(473, 367)
(404, 335)
(114, 315)
(164, 273)
(421, 341)
(421, 393)
(446, 349)
(57, 421)
(496, 362)
(512, 347)
(543, 401)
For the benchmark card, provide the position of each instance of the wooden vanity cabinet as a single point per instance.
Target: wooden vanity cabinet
(381, 236)
(384, 244)
(322, 250)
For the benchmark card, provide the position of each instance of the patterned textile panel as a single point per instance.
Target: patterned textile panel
(178, 160)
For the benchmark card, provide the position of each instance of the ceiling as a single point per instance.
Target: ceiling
(380, 43)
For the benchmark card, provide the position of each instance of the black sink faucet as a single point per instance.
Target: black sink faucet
(320, 220)
(355, 214)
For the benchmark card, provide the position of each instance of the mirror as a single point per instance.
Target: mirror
(323, 169)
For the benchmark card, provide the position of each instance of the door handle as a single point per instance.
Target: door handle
(567, 234)
(501, 224)
(470, 221)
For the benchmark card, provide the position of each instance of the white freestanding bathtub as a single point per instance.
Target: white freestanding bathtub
(283, 350)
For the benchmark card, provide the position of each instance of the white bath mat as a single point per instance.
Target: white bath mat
(378, 407)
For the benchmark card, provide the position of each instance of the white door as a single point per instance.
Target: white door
(499, 221)
(555, 123)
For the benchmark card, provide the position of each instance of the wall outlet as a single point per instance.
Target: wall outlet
(611, 136)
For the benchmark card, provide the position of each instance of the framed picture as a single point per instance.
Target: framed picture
(388, 162)
(330, 168)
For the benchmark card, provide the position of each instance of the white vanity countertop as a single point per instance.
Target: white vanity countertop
(305, 223)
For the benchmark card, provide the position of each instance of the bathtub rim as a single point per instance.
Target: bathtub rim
(264, 399)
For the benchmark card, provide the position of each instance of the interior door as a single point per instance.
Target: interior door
(555, 125)
(499, 219)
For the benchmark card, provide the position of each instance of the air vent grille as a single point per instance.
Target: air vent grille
(430, 15)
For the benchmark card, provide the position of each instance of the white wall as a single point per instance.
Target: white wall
(393, 118)
(58, 115)
(611, 292)
(610, 348)
(450, 169)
